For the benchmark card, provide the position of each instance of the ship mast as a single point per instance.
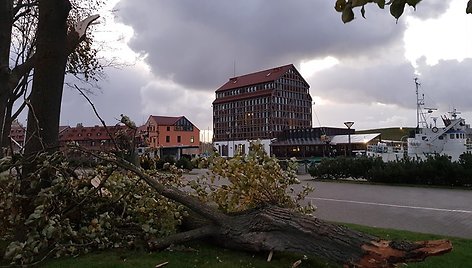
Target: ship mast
(419, 102)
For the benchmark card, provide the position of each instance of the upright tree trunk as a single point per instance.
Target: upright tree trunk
(6, 21)
(46, 96)
(48, 81)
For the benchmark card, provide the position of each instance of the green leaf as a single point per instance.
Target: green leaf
(358, 3)
(340, 5)
(413, 3)
(380, 3)
(348, 15)
(396, 8)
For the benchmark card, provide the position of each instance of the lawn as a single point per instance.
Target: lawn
(203, 255)
(195, 255)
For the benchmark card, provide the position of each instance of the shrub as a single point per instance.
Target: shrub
(435, 170)
(184, 163)
(165, 163)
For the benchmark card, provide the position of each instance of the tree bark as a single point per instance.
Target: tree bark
(54, 45)
(6, 22)
(279, 229)
(48, 81)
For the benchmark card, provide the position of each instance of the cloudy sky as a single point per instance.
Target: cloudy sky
(172, 56)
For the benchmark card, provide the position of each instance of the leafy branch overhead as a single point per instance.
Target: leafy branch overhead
(345, 7)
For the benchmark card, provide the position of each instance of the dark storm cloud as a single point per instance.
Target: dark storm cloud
(448, 84)
(196, 43)
(119, 94)
(386, 82)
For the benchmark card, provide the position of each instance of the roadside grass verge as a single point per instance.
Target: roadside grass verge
(460, 256)
(203, 255)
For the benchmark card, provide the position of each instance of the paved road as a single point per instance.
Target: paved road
(438, 211)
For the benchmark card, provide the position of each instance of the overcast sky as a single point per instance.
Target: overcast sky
(175, 54)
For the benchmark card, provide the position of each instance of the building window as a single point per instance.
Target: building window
(168, 128)
(167, 138)
(179, 139)
(192, 139)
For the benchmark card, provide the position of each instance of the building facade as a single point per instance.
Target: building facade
(260, 106)
(165, 135)
(310, 142)
(17, 137)
(97, 138)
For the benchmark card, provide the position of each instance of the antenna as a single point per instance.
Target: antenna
(234, 68)
(418, 103)
(454, 113)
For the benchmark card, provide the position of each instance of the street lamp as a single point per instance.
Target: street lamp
(227, 143)
(349, 124)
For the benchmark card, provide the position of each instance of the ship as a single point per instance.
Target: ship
(429, 139)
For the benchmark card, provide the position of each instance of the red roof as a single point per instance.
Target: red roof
(261, 93)
(256, 78)
(90, 133)
(166, 120)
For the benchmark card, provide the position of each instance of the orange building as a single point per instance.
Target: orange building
(174, 136)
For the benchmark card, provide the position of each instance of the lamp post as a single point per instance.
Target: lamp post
(227, 144)
(349, 124)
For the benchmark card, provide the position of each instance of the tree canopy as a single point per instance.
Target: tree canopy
(396, 7)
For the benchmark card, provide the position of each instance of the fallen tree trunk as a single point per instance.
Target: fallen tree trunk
(279, 229)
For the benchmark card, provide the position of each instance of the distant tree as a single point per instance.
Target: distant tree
(346, 7)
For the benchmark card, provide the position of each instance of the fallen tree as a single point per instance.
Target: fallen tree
(71, 214)
(271, 228)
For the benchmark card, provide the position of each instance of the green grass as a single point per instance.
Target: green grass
(206, 256)
(460, 256)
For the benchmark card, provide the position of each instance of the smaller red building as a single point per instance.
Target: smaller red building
(166, 135)
(17, 136)
(96, 138)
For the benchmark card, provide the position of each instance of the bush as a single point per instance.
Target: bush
(435, 170)
(165, 163)
(201, 162)
(184, 163)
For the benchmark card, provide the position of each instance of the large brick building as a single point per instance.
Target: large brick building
(166, 135)
(260, 106)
